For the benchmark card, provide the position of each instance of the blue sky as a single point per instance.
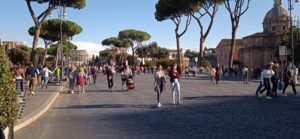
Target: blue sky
(105, 18)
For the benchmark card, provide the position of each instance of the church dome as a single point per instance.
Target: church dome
(275, 13)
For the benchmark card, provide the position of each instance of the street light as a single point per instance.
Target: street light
(291, 8)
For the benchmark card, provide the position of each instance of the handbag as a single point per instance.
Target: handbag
(281, 85)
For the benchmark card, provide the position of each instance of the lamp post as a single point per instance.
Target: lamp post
(62, 15)
(291, 8)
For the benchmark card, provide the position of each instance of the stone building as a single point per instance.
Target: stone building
(7, 45)
(259, 48)
(223, 51)
(82, 57)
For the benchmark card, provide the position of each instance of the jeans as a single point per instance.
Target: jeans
(175, 89)
(45, 84)
(71, 84)
(259, 88)
(288, 82)
(32, 82)
(110, 82)
(267, 87)
(58, 79)
(159, 89)
(275, 87)
(19, 84)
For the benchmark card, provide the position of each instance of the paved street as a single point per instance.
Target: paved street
(228, 110)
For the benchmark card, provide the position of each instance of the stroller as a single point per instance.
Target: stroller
(130, 83)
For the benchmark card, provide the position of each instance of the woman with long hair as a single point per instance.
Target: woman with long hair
(81, 80)
(175, 74)
(159, 83)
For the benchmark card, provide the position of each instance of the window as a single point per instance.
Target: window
(283, 28)
(273, 28)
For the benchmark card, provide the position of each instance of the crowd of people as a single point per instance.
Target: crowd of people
(81, 76)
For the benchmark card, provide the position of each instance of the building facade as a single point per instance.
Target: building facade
(223, 51)
(7, 45)
(259, 48)
(82, 57)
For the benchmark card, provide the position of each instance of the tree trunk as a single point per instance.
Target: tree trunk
(179, 58)
(233, 41)
(45, 53)
(35, 43)
(11, 131)
(201, 55)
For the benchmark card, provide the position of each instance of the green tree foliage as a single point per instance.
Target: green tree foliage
(40, 18)
(190, 54)
(18, 56)
(116, 42)
(175, 10)
(50, 32)
(134, 37)
(8, 96)
(153, 51)
(205, 63)
(67, 47)
(107, 54)
(286, 41)
(165, 62)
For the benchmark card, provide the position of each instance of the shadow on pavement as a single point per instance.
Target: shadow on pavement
(217, 117)
(107, 106)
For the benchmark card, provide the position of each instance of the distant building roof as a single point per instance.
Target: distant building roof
(226, 42)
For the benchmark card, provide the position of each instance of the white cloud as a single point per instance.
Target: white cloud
(91, 48)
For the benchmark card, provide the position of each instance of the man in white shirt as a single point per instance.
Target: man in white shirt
(45, 75)
(266, 81)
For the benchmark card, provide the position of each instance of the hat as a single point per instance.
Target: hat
(271, 63)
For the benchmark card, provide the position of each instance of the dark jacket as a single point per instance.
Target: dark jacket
(173, 76)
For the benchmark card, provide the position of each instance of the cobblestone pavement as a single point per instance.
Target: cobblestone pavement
(228, 110)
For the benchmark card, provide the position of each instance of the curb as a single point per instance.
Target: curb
(36, 114)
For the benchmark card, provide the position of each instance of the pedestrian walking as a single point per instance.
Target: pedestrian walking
(175, 73)
(94, 74)
(125, 74)
(57, 75)
(89, 75)
(45, 72)
(81, 80)
(213, 75)
(159, 83)
(266, 80)
(275, 79)
(19, 77)
(110, 71)
(186, 72)
(246, 74)
(72, 78)
(218, 71)
(288, 80)
(31, 75)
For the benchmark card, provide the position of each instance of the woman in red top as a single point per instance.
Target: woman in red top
(175, 74)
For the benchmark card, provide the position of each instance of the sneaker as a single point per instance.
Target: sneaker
(159, 105)
(268, 97)
(32, 93)
(284, 95)
(173, 103)
(259, 95)
(179, 103)
(297, 95)
(72, 92)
